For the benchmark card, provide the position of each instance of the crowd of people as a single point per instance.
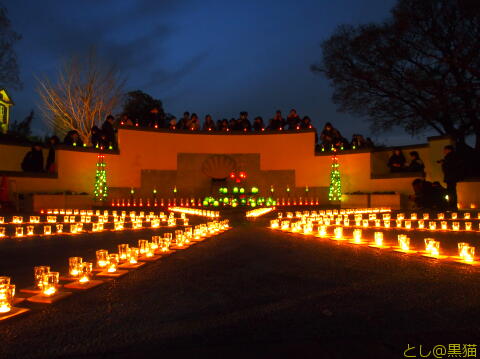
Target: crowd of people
(432, 195)
(332, 139)
(191, 122)
(398, 163)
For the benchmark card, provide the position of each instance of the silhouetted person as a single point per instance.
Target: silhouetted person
(330, 136)
(183, 123)
(397, 161)
(416, 164)
(95, 134)
(305, 123)
(224, 125)
(126, 121)
(277, 122)
(258, 124)
(358, 141)
(194, 124)
(244, 122)
(293, 120)
(209, 124)
(109, 131)
(172, 124)
(33, 160)
(233, 125)
(52, 143)
(453, 170)
(73, 139)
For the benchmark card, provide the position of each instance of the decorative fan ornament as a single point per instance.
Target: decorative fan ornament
(218, 166)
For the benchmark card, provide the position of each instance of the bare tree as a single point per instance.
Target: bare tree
(9, 73)
(85, 91)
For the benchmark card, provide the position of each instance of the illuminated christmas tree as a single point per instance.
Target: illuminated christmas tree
(100, 192)
(335, 189)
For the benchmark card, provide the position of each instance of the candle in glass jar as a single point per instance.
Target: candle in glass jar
(102, 258)
(112, 262)
(74, 266)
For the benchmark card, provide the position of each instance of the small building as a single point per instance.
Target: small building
(5, 104)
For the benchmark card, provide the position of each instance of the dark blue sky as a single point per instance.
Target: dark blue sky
(218, 57)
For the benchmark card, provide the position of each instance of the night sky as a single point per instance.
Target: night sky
(217, 57)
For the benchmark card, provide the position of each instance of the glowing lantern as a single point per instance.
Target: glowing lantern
(365, 223)
(47, 230)
(441, 215)
(2, 232)
(274, 223)
(102, 258)
(413, 216)
(468, 226)
(432, 247)
(7, 293)
(322, 230)
(426, 216)
(74, 266)
(444, 225)
(400, 216)
(112, 262)
(38, 273)
(456, 226)
(338, 233)
(386, 223)
(432, 225)
(50, 283)
(454, 215)
(466, 252)
(378, 223)
(398, 223)
(34, 219)
(357, 235)
(133, 253)
(123, 251)
(143, 246)
(466, 215)
(421, 224)
(307, 228)
(404, 242)
(17, 219)
(156, 242)
(19, 231)
(408, 224)
(378, 239)
(30, 230)
(59, 227)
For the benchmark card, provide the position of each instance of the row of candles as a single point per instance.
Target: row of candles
(85, 216)
(137, 222)
(80, 271)
(258, 212)
(192, 202)
(195, 212)
(306, 224)
(386, 222)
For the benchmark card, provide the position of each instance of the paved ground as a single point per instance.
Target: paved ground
(252, 292)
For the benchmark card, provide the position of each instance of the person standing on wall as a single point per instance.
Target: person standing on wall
(109, 131)
(453, 170)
